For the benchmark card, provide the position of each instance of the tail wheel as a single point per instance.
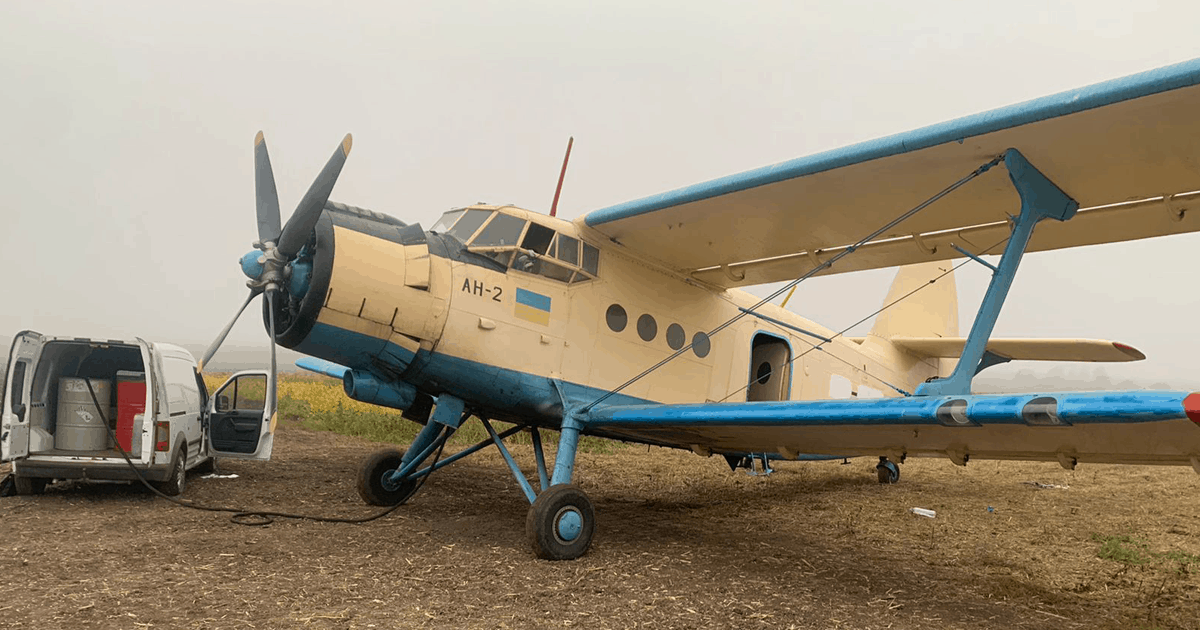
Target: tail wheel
(561, 523)
(888, 472)
(374, 489)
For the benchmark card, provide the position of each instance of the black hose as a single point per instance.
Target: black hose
(257, 518)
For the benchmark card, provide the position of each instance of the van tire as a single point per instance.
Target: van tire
(177, 482)
(28, 486)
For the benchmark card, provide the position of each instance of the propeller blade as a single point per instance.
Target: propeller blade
(271, 404)
(296, 232)
(266, 197)
(212, 349)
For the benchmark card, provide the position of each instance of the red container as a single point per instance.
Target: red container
(131, 401)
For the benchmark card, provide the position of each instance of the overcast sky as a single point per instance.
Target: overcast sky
(127, 170)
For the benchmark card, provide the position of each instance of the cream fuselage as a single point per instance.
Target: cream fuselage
(447, 321)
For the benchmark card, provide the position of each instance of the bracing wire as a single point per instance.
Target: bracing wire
(814, 271)
(819, 346)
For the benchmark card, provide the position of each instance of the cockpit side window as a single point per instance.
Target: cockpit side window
(568, 250)
(468, 224)
(591, 259)
(446, 221)
(538, 238)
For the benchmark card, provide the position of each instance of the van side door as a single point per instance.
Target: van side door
(237, 426)
(18, 386)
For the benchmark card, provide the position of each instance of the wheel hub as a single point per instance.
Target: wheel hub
(568, 523)
(389, 482)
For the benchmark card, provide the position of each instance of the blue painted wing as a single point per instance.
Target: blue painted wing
(1128, 139)
(1136, 427)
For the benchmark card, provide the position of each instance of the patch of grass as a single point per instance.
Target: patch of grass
(320, 405)
(1134, 551)
(1123, 549)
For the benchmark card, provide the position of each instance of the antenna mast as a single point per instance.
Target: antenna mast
(561, 175)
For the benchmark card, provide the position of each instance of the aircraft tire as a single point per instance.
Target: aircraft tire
(26, 486)
(370, 479)
(560, 523)
(888, 472)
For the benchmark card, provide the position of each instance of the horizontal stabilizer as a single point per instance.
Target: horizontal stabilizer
(1095, 350)
(321, 366)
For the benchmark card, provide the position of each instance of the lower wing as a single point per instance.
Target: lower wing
(1130, 427)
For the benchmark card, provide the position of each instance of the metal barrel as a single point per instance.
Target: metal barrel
(80, 426)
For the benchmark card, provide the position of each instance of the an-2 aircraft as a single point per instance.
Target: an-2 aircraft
(627, 323)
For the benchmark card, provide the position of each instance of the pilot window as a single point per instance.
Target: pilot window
(542, 251)
(538, 238)
(446, 221)
(468, 224)
(567, 250)
(503, 230)
(591, 260)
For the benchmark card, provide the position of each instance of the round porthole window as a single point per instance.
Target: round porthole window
(764, 373)
(647, 327)
(701, 344)
(675, 336)
(616, 317)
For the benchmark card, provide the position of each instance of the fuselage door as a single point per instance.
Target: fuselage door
(770, 369)
(18, 385)
(236, 424)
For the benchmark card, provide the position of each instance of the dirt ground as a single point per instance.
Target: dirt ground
(681, 542)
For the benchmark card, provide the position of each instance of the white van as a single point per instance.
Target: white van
(71, 406)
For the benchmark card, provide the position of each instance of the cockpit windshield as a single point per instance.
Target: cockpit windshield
(446, 221)
(465, 227)
(541, 250)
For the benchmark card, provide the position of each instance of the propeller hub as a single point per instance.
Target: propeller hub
(252, 264)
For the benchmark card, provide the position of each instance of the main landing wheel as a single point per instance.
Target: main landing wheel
(888, 471)
(560, 523)
(376, 490)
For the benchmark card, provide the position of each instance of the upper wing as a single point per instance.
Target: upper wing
(1132, 427)
(1133, 138)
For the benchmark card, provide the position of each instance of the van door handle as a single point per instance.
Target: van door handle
(19, 409)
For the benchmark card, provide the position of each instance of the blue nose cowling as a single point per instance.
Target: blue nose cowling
(250, 265)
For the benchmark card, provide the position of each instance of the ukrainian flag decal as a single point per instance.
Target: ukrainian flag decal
(533, 307)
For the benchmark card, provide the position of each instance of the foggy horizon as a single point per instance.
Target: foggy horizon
(129, 180)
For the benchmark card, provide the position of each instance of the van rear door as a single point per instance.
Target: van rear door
(238, 425)
(14, 424)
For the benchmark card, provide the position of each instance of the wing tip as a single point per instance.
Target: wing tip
(1133, 353)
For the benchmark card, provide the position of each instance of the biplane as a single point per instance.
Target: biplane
(629, 322)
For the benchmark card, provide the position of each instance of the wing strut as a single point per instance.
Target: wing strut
(1040, 199)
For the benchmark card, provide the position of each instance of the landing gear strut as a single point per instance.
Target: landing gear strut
(561, 521)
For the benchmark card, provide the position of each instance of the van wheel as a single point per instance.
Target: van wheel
(27, 486)
(175, 484)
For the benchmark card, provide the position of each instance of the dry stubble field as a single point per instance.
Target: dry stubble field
(681, 542)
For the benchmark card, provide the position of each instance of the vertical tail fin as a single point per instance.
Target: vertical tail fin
(930, 311)
(921, 303)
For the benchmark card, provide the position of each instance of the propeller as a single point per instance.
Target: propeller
(268, 265)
